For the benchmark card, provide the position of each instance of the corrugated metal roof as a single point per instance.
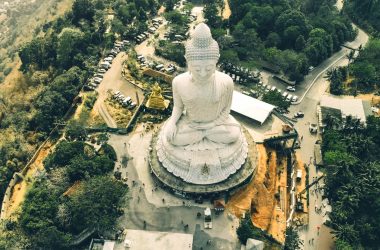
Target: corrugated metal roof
(348, 107)
(251, 107)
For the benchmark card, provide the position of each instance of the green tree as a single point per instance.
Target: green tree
(69, 41)
(273, 40)
(75, 131)
(292, 241)
(275, 98)
(300, 43)
(96, 204)
(83, 9)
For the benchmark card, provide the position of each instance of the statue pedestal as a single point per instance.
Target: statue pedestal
(205, 162)
(200, 181)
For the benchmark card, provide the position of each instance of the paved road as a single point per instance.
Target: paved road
(311, 79)
(323, 240)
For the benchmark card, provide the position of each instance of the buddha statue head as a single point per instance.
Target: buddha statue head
(202, 54)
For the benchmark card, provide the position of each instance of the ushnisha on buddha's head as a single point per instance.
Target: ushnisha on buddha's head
(202, 54)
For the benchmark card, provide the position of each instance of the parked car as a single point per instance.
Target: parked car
(132, 105)
(102, 71)
(169, 69)
(311, 68)
(285, 94)
(294, 99)
(87, 87)
(108, 59)
(291, 88)
(140, 58)
(116, 94)
(92, 84)
(289, 98)
(299, 114)
(313, 128)
(159, 67)
(105, 65)
(98, 80)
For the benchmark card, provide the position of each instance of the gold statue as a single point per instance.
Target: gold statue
(156, 100)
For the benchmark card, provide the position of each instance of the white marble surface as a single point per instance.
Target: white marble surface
(201, 142)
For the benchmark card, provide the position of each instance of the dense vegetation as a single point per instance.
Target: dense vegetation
(366, 13)
(352, 183)
(361, 75)
(55, 65)
(247, 230)
(73, 196)
(275, 98)
(285, 35)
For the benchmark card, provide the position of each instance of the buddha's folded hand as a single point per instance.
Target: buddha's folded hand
(202, 125)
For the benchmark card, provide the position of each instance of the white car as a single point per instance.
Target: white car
(295, 98)
(290, 88)
(98, 80)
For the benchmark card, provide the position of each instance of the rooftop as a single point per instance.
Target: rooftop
(142, 240)
(347, 106)
(251, 107)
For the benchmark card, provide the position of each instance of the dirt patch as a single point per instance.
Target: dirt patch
(20, 189)
(301, 217)
(226, 10)
(267, 212)
(374, 99)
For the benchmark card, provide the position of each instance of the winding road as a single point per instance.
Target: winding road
(316, 86)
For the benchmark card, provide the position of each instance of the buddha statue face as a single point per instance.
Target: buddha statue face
(202, 71)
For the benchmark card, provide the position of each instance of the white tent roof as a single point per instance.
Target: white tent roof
(251, 107)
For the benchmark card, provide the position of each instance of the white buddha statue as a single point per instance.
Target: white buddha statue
(201, 142)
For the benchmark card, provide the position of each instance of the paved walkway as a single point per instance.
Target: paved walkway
(145, 204)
